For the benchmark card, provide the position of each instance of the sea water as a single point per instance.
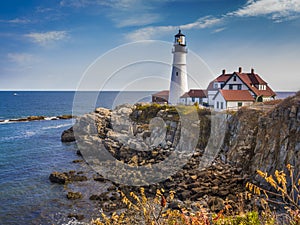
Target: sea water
(30, 151)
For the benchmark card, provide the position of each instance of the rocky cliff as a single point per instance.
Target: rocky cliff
(131, 142)
(265, 140)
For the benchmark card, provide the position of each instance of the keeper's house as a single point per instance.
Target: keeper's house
(231, 91)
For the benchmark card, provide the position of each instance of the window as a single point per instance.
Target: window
(239, 87)
(217, 105)
(262, 87)
(222, 105)
(234, 78)
(240, 104)
(216, 85)
(176, 73)
(230, 86)
(193, 99)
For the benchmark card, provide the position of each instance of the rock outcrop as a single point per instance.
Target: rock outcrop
(143, 136)
(265, 140)
(63, 178)
(68, 135)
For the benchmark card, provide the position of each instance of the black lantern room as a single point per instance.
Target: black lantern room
(180, 38)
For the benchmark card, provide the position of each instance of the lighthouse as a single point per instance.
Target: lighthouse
(179, 84)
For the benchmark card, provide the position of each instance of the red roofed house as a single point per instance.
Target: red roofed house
(233, 85)
(232, 99)
(193, 96)
(161, 97)
(215, 85)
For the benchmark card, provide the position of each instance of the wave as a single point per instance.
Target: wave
(57, 126)
(10, 121)
(51, 118)
(35, 118)
(26, 134)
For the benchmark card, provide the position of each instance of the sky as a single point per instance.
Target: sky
(54, 45)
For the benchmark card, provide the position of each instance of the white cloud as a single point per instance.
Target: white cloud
(136, 20)
(153, 32)
(277, 10)
(124, 13)
(21, 58)
(47, 37)
(219, 30)
(16, 21)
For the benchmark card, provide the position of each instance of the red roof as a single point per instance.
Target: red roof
(252, 79)
(222, 78)
(237, 95)
(195, 93)
(162, 94)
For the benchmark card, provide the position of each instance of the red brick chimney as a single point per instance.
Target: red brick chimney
(240, 69)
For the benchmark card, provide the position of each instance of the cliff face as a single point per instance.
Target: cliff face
(265, 140)
(127, 139)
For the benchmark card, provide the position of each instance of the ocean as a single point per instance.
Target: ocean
(30, 151)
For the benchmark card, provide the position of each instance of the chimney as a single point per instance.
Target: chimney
(223, 72)
(252, 71)
(240, 69)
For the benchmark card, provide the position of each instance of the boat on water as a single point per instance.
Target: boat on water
(15, 94)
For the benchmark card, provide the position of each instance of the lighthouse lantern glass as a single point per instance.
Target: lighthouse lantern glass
(180, 40)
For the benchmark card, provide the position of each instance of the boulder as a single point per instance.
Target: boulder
(74, 195)
(68, 135)
(65, 117)
(31, 118)
(59, 178)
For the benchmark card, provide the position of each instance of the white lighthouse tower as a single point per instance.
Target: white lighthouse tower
(179, 84)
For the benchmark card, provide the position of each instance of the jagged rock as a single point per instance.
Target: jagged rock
(31, 118)
(265, 141)
(65, 117)
(76, 177)
(57, 177)
(74, 195)
(253, 140)
(62, 178)
(68, 135)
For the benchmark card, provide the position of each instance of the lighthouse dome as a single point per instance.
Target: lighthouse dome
(179, 34)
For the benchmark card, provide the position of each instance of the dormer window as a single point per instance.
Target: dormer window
(262, 87)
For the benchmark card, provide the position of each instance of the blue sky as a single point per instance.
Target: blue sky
(50, 44)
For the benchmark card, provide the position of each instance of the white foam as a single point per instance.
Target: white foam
(6, 121)
(57, 126)
(50, 118)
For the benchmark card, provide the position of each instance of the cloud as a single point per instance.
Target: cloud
(219, 30)
(136, 20)
(21, 58)
(16, 21)
(277, 10)
(124, 13)
(47, 37)
(155, 32)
